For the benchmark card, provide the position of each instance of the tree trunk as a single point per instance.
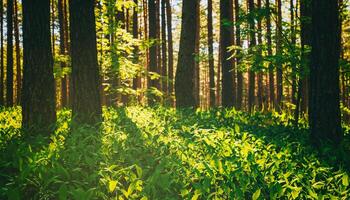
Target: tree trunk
(38, 93)
(2, 101)
(153, 66)
(62, 51)
(226, 63)
(211, 54)
(324, 118)
(164, 51)
(197, 61)
(18, 57)
(184, 85)
(293, 43)
(306, 31)
(279, 55)
(260, 73)
(238, 57)
(135, 33)
(85, 72)
(251, 73)
(170, 50)
(9, 65)
(269, 53)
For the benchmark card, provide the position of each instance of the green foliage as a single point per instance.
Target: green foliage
(161, 153)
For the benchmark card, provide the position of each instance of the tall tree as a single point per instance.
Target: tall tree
(135, 34)
(1, 53)
(9, 58)
(211, 54)
(306, 31)
(86, 103)
(324, 117)
(18, 55)
(196, 77)
(293, 43)
(226, 62)
(260, 93)
(38, 92)
(238, 59)
(152, 36)
(170, 49)
(269, 53)
(62, 30)
(164, 49)
(184, 85)
(279, 54)
(252, 43)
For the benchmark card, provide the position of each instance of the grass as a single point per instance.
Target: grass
(160, 153)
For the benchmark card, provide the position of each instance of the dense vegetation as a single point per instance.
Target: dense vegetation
(161, 153)
(174, 99)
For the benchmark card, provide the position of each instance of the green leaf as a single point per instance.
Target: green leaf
(256, 194)
(112, 185)
(63, 192)
(196, 195)
(345, 180)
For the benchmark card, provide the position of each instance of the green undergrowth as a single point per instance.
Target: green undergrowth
(160, 153)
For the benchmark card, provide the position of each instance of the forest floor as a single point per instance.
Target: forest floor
(161, 153)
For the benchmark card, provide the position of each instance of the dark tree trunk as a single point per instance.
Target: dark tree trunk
(18, 57)
(238, 59)
(197, 66)
(2, 102)
(9, 65)
(152, 35)
(158, 46)
(85, 72)
(306, 31)
(135, 33)
(226, 63)
(184, 85)
(170, 50)
(324, 118)
(279, 55)
(293, 64)
(211, 54)
(251, 73)
(38, 92)
(269, 53)
(62, 30)
(260, 73)
(164, 51)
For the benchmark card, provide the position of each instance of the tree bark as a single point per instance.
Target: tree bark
(85, 72)
(152, 36)
(260, 93)
(2, 100)
(269, 53)
(18, 56)
(238, 57)
(252, 43)
(226, 63)
(62, 30)
(135, 33)
(306, 31)
(170, 50)
(279, 55)
(164, 50)
(197, 61)
(211, 54)
(184, 85)
(38, 92)
(324, 117)
(9, 58)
